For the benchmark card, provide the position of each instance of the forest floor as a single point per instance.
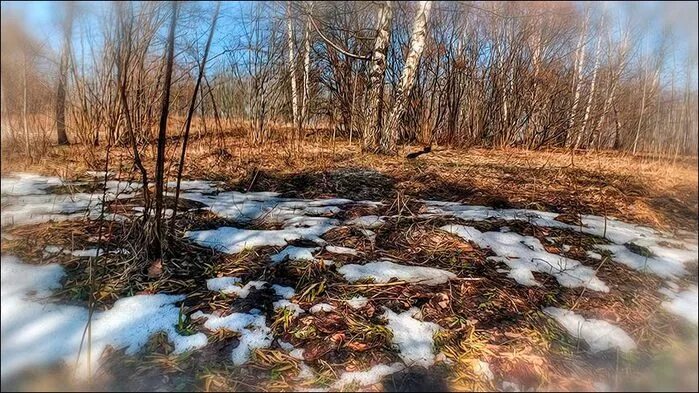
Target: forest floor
(460, 270)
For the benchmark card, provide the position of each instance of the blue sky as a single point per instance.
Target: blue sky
(680, 17)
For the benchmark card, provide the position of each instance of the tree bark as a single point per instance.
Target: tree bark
(292, 71)
(374, 99)
(389, 131)
(62, 76)
(162, 131)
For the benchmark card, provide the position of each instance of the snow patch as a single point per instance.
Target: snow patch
(366, 222)
(231, 285)
(36, 332)
(525, 254)
(294, 253)
(283, 292)
(684, 304)
(253, 330)
(599, 335)
(369, 377)
(357, 302)
(341, 250)
(414, 338)
(383, 271)
(321, 307)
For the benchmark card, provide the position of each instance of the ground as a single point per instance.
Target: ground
(483, 314)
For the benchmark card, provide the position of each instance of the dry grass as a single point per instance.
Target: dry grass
(485, 315)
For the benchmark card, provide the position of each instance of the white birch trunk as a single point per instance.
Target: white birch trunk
(389, 131)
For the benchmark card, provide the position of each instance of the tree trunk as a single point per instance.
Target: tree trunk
(374, 99)
(292, 70)
(389, 131)
(62, 77)
(577, 78)
(591, 95)
(162, 130)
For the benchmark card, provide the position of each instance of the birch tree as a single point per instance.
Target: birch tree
(389, 131)
(377, 69)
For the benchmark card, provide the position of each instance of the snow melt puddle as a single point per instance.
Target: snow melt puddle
(526, 254)
(36, 332)
(599, 335)
(384, 271)
(666, 262)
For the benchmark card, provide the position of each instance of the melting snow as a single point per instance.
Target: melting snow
(684, 304)
(231, 285)
(36, 332)
(341, 250)
(294, 253)
(287, 305)
(369, 377)
(668, 267)
(384, 271)
(357, 302)
(26, 200)
(367, 222)
(233, 240)
(609, 228)
(324, 307)
(414, 338)
(599, 335)
(482, 369)
(283, 292)
(253, 330)
(526, 254)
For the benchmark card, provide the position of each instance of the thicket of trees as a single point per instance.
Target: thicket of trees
(526, 74)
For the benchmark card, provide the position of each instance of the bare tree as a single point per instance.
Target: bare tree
(63, 73)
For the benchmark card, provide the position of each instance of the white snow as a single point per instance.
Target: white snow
(594, 255)
(231, 285)
(27, 184)
(684, 303)
(253, 330)
(297, 353)
(357, 302)
(662, 267)
(90, 252)
(37, 332)
(265, 206)
(369, 234)
(414, 338)
(482, 369)
(369, 377)
(620, 233)
(234, 240)
(341, 250)
(26, 201)
(285, 304)
(384, 271)
(99, 174)
(294, 253)
(525, 254)
(283, 292)
(321, 307)
(599, 335)
(367, 222)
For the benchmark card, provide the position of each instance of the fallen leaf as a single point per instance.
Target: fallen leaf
(155, 269)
